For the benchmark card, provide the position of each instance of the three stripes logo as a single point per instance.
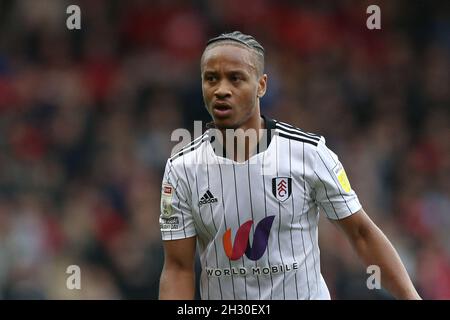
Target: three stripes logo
(207, 198)
(242, 243)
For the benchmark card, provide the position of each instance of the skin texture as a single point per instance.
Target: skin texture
(231, 81)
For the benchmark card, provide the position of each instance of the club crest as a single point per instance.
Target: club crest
(282, 188)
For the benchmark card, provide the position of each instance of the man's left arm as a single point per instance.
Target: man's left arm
(374, 248)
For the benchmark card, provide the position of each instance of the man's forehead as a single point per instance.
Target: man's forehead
(228, 53)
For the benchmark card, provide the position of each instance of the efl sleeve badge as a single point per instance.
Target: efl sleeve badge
(342, 178)
(166, 200)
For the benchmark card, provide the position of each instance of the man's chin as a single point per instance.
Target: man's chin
(225, 124)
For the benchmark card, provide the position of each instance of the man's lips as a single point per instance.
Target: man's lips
(222, 109)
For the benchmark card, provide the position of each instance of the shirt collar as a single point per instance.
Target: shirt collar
(269, 125)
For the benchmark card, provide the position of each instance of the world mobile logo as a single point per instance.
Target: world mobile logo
(241, 241)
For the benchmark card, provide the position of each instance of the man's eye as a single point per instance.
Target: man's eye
(236, 78)
(210, 78)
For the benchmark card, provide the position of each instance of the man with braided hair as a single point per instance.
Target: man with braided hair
(253, 215)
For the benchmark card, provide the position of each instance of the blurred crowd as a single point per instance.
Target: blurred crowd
(86, 118)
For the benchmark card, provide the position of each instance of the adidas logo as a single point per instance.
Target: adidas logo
(207, 198)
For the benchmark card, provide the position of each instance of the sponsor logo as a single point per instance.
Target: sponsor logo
(253, 271)
(241, 242)
(171, 223)
(207, 198)
(167, 190)
(342, 178)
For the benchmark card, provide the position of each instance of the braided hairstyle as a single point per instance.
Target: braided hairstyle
(240, 39)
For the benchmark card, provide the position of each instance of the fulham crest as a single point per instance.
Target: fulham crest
(281, 188)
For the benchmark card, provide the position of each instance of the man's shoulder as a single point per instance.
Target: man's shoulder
(189, 151)
(297, 135)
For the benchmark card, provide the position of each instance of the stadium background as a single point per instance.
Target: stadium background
(86, 118)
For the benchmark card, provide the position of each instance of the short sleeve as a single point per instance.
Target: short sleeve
(333, 192)
(175, 220)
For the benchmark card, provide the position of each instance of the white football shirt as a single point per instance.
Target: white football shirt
(256, 222)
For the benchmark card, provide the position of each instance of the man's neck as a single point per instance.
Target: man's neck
(249, 134)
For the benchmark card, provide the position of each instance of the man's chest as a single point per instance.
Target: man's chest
(231, 195)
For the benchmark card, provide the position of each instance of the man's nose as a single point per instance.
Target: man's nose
(222, 91)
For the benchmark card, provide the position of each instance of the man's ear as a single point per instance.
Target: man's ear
(262, 86)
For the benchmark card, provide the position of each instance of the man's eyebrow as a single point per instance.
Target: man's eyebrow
(228, 71)
(239, 71)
